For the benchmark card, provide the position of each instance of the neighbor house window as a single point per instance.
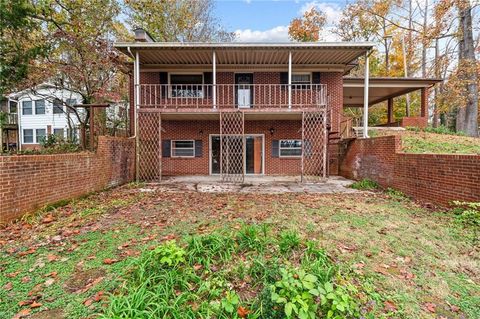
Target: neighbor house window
(57, 107)
(183, 148)
(40, 135)
(59, 132)
(186, 85)
(290, 148)
(70, 104)
(40, 107)
(27, 107)
(28, 136)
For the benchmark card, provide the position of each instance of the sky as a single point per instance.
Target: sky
(268, 20)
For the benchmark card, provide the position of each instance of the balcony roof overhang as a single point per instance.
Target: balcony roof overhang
(334, 56)
(381, 89)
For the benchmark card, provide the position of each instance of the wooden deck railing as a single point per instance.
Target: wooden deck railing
(255, 96)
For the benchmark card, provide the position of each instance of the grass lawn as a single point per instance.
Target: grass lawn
(128, 253)
(426, 142)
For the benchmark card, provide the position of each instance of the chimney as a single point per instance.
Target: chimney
(141, 35)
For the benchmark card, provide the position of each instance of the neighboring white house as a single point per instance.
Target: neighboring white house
(43, 111)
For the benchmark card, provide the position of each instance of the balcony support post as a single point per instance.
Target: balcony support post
(136, 83)
(214, 80)
(290, 79)
(365, 96)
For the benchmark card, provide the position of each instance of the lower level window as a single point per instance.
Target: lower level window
(290, 148)
(59, 132)
(40, 135)
(183, 148)
(28, 136)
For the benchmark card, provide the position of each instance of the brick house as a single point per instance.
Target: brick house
(236, 109)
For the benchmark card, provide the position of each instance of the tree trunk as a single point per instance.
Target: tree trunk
(468, 61)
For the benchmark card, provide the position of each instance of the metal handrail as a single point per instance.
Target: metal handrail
(232, 95)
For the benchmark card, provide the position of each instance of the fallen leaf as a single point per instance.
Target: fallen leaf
(48, 219)
(26, 279)
(24, 303)
(52, 257)
(98, 296)
(8, 286)
(242, 312)
(88, 302)
(390, 306)
(49, 282)
(35, 305)
(22, 313)
(109, 261)
(431, 307)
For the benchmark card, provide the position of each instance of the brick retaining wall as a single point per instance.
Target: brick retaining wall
(434, 178)
(28, 182)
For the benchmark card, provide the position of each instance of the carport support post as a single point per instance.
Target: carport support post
(390, 111)
(365, 97)
(424, 102)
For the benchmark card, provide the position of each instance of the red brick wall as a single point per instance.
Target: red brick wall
(201, 130)
(416, 121)
(437, 178)
(28, 182)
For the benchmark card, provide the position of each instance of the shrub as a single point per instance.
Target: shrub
(365, 184)
(468, 215)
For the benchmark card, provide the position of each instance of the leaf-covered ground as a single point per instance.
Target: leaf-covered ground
(65, 262)
(426, 142)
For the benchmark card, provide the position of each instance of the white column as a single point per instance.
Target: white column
(365, 97)
(136, 84)
(290, 79)
(214, 80)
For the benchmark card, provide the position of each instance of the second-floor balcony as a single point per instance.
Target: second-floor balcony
(10, 119)
(241, 96)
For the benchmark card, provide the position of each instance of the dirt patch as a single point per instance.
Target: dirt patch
(49, 314)
(83, 280)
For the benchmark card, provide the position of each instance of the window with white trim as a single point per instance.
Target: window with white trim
(290, 148)
(28, 136)
(27, 108)
(57, 106)
(186, 85)
(40, 135)
(59, 132)
(40, 107)
(301, 78)
(183, 148)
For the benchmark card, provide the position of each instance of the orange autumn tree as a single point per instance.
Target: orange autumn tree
(308, 27)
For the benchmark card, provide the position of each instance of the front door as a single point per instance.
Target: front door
(253, 159)
(244, 90)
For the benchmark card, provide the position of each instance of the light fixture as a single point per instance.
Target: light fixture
(272, 130)
(200, 132)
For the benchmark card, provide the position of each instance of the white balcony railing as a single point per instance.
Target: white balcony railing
(256, 96)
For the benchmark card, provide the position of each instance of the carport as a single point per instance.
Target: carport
(383, 89)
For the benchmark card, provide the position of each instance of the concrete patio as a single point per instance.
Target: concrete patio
(252, 184)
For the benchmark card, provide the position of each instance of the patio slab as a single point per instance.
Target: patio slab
(252, 184)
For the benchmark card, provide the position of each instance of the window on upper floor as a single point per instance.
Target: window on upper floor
(186, 85)
(57, 106)
(70, 105)
(40, 107)
(301, 80)
(27, 108)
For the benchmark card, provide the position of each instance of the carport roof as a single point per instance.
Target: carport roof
(381, 88)
(335, 54)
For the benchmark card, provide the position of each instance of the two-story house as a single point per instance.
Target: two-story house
(237, 109)
(42, 111)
